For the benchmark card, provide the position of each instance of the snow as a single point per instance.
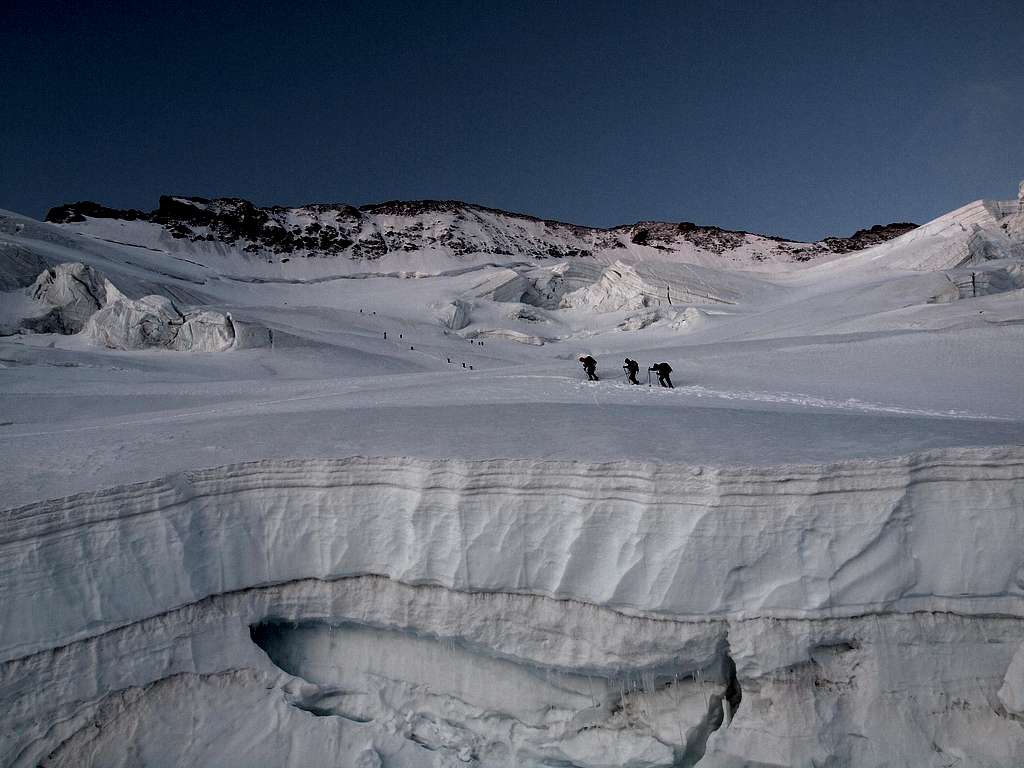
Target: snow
(154, 321)
(74, 290)
(978, 231)
(542, 573)
(302, 543)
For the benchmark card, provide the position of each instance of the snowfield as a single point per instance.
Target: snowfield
(243, 527)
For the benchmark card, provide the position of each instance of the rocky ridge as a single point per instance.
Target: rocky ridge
(866, 238)
(370, 232)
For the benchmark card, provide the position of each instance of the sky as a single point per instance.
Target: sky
(790, 118)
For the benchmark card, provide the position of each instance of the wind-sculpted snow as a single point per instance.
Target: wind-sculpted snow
(522, 612)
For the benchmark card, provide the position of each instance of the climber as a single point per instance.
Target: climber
(631, 367)
(590, 366)
(663, 370)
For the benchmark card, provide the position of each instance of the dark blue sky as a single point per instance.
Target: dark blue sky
(799, 119)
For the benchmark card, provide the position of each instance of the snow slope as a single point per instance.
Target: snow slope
(977, 232)
(447, 548)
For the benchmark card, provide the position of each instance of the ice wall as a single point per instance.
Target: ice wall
(863, 613)
(978, 232)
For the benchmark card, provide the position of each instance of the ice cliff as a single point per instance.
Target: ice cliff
(979, 232)
(401, 612)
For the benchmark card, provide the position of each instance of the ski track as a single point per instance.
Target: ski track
(799, 399)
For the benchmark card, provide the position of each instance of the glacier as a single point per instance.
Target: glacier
(241, 525)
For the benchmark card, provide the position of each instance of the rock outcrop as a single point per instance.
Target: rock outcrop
(866, 238)
(457, 229)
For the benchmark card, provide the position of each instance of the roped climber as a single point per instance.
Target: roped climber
(663, 370)
(631, 368)
(590, 366)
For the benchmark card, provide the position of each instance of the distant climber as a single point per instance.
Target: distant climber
(631, 368)
(663, 370)
(590, 366)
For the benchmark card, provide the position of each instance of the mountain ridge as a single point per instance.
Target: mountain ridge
(370, 231)
(67, 212)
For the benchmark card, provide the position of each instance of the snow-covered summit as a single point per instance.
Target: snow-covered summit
(447, 227)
